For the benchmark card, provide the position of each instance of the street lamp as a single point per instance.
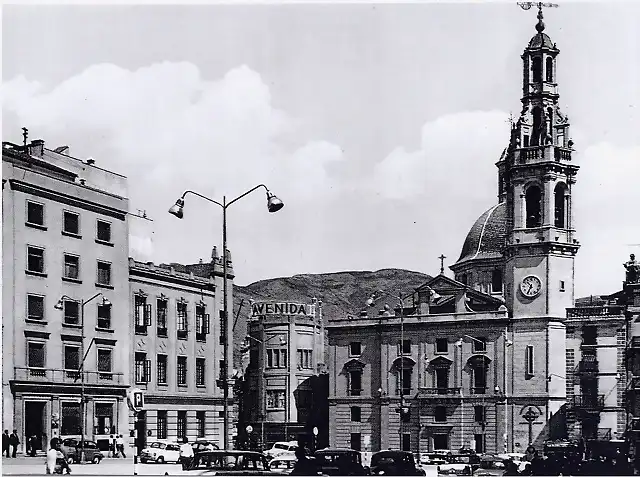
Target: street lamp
(507, 342)
(371, 302)
(60, 306)
(273, 205)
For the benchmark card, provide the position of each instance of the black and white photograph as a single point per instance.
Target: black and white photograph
(321, 238)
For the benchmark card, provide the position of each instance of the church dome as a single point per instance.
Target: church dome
(541, 40)
(487, 235)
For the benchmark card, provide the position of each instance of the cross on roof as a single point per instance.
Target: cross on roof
(442, 257)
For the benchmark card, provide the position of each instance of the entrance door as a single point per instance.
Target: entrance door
(35, 424)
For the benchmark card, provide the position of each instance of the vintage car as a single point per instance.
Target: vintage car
(460, 464)
(282, 448)
(71, 449)
(333, 461)
(160, 452)
(283, 464)
(393, 462)
(229, 462)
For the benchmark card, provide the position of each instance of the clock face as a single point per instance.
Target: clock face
(530, 286)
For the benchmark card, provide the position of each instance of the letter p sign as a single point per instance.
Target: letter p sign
(136, 400)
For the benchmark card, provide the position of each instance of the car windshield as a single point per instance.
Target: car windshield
(281, 446)
(392, 459)
(158, 445)
(460, 459)
(230, 462)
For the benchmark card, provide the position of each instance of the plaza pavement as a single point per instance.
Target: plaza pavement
(107, 467)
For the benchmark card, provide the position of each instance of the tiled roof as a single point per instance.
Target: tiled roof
(541, 39)
(487, 235)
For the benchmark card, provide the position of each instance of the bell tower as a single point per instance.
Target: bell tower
(536, 176)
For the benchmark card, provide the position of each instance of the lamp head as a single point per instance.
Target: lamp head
(105, 301)
(59, 305)
(459, 342)
(273, 203)
(177, 208)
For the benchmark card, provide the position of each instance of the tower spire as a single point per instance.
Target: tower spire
(540, 24)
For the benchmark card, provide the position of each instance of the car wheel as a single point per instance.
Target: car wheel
(70, 460)
(160, 460)
(143, 461)
(96, 459)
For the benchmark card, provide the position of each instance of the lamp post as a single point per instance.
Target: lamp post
(273, 205)
(370, 302)
(506, 343)
(60, 306)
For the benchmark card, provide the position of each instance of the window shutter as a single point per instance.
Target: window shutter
(138, 314)
(207, 324)
(198, 323)
(147, 370)
(147, 315)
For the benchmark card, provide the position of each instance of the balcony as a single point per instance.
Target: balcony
(427, 393)
(595, 311)
(354, 392)
(50, 375)
(588, 403)
(478, 390)
(588, 366)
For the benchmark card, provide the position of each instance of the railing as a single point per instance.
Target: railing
(588, 403)
(594, 311)
(162, 332)
(354, 391)
(183, 334)
(201, 337)
(66, 376)
(530, 153)
(423, 392)
(405, 391)
(141, 329)
(588, 366)
(478, 390)
(562, 154)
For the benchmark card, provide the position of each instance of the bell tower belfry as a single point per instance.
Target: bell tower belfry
(536, 176)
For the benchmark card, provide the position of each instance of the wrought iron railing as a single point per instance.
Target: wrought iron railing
(438, 391)
(588, 402)
(65, 376)
(478, 390)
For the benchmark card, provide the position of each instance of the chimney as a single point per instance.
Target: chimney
(36, 148)
(214, 254)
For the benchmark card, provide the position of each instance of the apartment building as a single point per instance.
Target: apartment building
(177, 348)
(65, 289)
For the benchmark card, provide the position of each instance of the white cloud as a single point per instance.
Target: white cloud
(169, 130)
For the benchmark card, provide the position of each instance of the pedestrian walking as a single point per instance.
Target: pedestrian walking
(186, 455)
(304, 465)
(5, 443)
(112, 446)
(33, 444)
(120, 446)
(14, 442)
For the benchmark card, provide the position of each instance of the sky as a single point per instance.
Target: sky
(378, 125)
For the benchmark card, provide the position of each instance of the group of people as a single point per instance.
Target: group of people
(116, 446)
(9, 442)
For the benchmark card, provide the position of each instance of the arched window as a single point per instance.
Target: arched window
(537, 122)
(549, 69)
(560, 206)
(537, 69)
(533, 199)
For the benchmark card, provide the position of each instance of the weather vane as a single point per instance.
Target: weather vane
(528, 5)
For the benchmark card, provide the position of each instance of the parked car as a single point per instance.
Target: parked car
(283, 464)
(229, 462)
(202, 445)
(460, 464)
(282, 448)
(434, 458)
(160, 452)
(332, 461)
(392, 462)
(71, 449)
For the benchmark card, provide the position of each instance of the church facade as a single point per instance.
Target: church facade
(480, 360)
